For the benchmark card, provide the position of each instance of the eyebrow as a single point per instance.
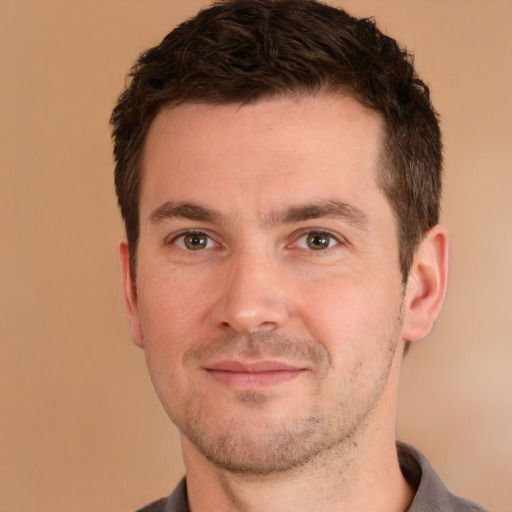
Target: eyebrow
(330, 209)
(184, 210)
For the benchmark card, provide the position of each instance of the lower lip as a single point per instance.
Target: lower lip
(253, 380)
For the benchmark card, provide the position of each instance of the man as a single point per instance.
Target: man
(278, 169)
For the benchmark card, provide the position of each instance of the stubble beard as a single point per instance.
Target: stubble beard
(315, 436)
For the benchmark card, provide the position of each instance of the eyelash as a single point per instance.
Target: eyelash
(181, 236)
(303, 234)
(332, 240)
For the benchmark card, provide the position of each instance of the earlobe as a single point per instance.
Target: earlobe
(426, 285)
(129, 294)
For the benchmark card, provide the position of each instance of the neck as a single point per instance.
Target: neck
(355, 476)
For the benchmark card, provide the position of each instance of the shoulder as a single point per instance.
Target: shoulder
(155, 506)
(432, 495)
(176, 502)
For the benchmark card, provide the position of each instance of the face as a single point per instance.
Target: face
(269, 299)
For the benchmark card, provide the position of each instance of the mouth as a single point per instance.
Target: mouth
(253, 375)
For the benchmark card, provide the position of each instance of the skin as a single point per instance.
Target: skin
(270, 304)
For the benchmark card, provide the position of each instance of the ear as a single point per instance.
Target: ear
(426, 285)
(130, 294)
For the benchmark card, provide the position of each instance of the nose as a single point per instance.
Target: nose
(252, 295)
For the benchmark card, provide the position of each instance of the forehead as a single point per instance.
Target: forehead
(271, 151)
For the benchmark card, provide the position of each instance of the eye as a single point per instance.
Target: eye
(316, 241)
(193, 241)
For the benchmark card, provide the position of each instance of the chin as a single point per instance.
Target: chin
(260, 448)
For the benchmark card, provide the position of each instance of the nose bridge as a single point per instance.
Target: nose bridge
(252, 297)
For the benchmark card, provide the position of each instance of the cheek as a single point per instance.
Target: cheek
(172, 302)
(349, 315)
(174, 317)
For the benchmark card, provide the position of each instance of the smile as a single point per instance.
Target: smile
(254, 375)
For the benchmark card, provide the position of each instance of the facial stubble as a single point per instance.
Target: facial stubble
(281, 446)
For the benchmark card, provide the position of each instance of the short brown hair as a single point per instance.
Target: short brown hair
(241, 51)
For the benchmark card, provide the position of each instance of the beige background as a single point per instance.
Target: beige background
(80, 428)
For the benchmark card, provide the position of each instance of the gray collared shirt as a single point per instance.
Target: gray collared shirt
(431, 493)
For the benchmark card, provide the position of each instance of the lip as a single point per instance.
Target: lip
(244, 375)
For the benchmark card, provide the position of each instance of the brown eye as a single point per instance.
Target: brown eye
(195, 241)
(318, 241)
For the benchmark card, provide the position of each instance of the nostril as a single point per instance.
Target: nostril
(247, 328)
(266, 326)
(250, 323)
